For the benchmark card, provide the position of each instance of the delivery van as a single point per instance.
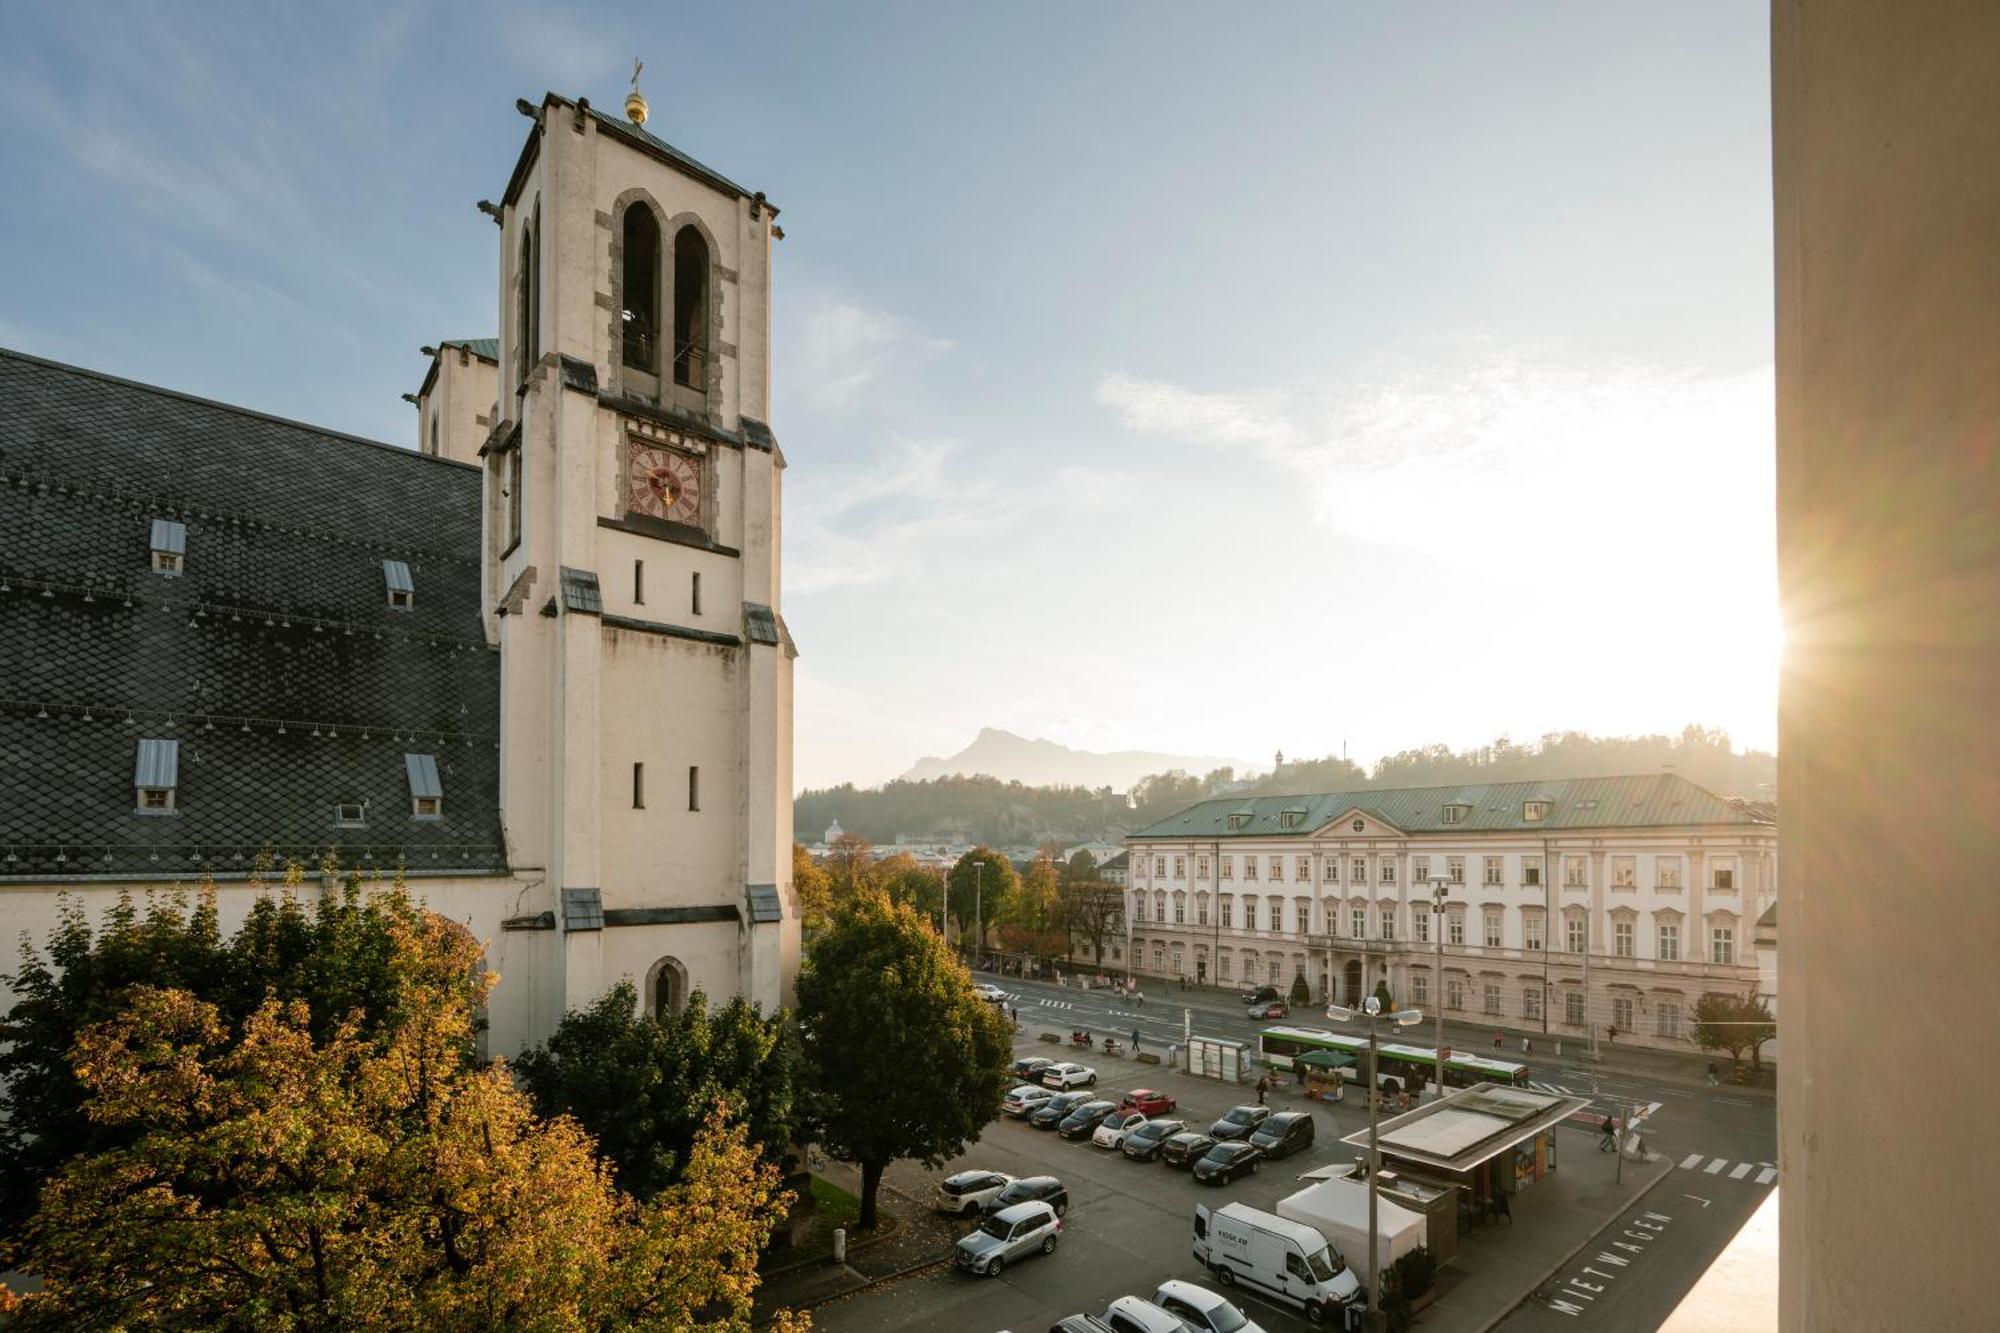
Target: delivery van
(1274, 1256)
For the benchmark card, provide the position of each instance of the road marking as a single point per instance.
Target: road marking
(1767, 1175)
(1555, 1089)
(1742, 1170)
(1697, 1198)
(1715, 1166)
(1674, 1092)
(1729, 1101)
(1691, 1161)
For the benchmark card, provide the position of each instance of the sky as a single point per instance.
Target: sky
(1194, 378)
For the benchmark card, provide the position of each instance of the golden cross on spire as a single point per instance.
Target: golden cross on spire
(635, 101)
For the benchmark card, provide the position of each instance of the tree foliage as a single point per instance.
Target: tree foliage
(903, 1059)
(644, 1087)
(337, 954)
(982, 885)
(814, 888)
(1734, 1024)
(267, 1178)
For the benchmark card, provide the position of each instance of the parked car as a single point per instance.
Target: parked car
(1024, 1099)
(1143, 1143)
(1268, 1009)
(967, 1192)
(1285, 1133)
(1261, 994)
(1226, 1161)
(1030, 1189)
(1067, 1075)
(1182, 1149)
(1079, 1323)
(1051, 1112)
(1240, 1122)
(986, 990)
(1134, 1314)
(1031, 1066)
(1146, 1100)
(1111, 1131)
(1203, 1310)
(1084, 1120)
(1012, 1233)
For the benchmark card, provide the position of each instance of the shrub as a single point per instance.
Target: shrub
(1414, 1273)
(1301, 992)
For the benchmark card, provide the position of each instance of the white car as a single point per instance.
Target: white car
(1131, 1314)
(1203, 1310)
(986, 990)
(1065, 1076)
(1025, 1098)
(1111, 1133)
(967, 1192)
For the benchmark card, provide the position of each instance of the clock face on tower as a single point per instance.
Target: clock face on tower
(665, 483)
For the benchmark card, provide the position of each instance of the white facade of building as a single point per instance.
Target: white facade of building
(1539, 876)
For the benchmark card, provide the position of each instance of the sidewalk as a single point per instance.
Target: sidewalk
(1555, 1219)
(924, 1238)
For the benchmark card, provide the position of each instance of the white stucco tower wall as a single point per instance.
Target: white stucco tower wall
(634, 495)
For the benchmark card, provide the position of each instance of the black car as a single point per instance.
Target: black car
(1262, 995)
(1029, 1068)
(1084, 1120)
(1030, 1189)
(1183, 1148)
(1284, 1134)
(1143, 1143)
(1051, 1112)
(1226, 1161)
(1240, 1122)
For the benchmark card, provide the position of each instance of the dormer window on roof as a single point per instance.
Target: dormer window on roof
(1291, 818)
(402, 590)
(169, 547)
(156, 775)
(426, 791)
(1533, 811)
(1239, 820)
(1455, 812)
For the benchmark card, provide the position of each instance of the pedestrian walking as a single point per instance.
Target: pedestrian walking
(1263, 1086)
(1527, 1046)
(1711, 1074)
(1135, 1041)
(1496, 1039)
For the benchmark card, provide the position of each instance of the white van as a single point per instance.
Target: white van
(1275, 1256)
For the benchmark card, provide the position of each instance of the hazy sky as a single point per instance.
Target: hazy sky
(1208, 378)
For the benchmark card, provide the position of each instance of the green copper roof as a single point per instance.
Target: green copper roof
(486, 349)
(1655, 800)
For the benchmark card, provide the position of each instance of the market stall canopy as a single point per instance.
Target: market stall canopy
(1323, 1059)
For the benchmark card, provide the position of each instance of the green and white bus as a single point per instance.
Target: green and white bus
(1279, 1045)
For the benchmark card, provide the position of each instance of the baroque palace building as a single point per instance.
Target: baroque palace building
(536, 664)
(1651, 885)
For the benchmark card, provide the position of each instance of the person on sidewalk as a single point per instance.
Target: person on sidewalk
(1496, 1039)
(1711, 1074)
(1263, 1086)
(1135, 1041)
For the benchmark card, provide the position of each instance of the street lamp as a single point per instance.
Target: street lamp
(1371, 1009)
(1439, 887)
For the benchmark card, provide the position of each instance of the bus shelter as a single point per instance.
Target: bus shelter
(1490, 1142)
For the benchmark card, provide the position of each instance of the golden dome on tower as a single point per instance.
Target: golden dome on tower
(635, 101)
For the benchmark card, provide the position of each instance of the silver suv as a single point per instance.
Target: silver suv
(1011, 1233)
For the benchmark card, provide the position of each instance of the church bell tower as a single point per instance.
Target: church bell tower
(631, 563)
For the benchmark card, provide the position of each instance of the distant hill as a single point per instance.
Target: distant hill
(1038, 763)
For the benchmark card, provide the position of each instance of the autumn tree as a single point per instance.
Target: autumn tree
(1733, 1024)
(270, 1179)
(644, 1087)
(981, 884)
(903, 1059)
(814, 888)
(336, 953)
(907, 881)
(1034, 911)
(1093, 911)
(847, 863)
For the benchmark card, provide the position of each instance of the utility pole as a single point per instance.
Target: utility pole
(1371, 1009)
(978, 932)
(1439, 886)
(1589, 1026)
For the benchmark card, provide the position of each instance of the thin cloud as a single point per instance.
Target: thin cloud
(567, 50)
(848, 348)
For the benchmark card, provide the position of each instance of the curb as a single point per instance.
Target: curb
(851, 1291)
(1666, 1170)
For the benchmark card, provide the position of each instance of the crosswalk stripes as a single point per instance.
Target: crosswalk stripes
(1715, 1166)
(1055, 1004)
(1554, 1089)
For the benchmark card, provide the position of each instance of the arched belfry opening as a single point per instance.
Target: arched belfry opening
(691, 298)
(640, 306)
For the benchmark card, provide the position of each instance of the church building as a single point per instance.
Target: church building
(537, 664)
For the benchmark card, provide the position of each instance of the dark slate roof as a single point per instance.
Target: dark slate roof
(1654, 800)
(274, 658)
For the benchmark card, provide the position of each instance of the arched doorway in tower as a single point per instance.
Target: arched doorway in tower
(666, 988)
(1352, 976)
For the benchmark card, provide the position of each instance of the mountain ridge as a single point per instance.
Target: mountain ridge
(1036, 762)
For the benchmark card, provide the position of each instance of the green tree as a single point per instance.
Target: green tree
(1301, 991)
(644, 1087)
(268, 1178)
(337, 954)
(1734, 1024)
(983, 881)
(1092, 910)
(906, 881)
(847, 864)
(1082, 867)
(903, 1059)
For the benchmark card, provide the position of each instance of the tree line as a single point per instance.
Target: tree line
(1008, 814)
(290, 1126)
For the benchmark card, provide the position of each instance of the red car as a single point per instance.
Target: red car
(1146, 1101)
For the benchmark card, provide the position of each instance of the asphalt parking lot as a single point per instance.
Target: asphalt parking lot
(1129, 1226)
